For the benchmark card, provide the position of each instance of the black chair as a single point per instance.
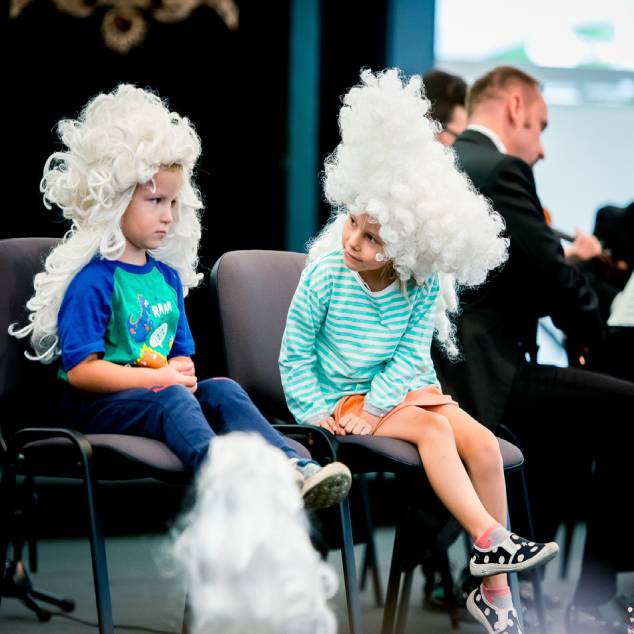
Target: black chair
(254, 290)
(33, 443)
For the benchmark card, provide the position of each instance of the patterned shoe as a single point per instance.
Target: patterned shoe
(511, 555)
(495, 620)
(324, 486)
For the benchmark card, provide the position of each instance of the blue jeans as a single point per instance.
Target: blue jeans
(185, 422)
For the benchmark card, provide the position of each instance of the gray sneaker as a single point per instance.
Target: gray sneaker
(324, 486)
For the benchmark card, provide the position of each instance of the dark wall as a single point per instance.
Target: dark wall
(354, 36)
(231, 84)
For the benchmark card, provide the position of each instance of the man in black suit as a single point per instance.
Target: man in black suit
(556, 413)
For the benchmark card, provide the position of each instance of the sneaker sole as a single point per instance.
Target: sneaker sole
(485, 570)
(473, 610)
(328, 491)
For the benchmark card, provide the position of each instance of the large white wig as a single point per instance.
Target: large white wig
(245, 550)
(390, 165)
(119, 140)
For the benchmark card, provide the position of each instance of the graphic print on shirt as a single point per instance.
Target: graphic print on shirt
(141, 326)
(149, 317)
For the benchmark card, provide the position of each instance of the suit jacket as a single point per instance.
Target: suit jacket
(498, 326)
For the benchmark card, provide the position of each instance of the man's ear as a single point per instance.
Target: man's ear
(515, 108)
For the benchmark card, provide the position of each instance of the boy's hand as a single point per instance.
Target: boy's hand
(185, 366)
(330, 424)
(171, 374)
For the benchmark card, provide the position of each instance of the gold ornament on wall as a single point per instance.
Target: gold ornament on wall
(125, 22)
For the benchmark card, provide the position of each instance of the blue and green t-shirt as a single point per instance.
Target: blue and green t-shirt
(128, 314)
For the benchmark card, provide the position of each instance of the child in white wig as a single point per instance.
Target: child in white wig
(245, 549)
(379, 282)
(110, 301)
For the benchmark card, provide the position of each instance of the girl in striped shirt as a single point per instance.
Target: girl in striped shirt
(379, 283)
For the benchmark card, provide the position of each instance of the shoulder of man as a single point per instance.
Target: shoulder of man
(484, 164)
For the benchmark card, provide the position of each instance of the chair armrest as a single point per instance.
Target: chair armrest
(314, 432)
(30, 434)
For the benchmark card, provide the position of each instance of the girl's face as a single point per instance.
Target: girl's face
(361, 243)
(149, 215)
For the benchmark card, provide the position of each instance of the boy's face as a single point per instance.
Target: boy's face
(361, 243)
(149, 215)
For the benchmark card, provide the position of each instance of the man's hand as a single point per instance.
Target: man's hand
(585, 247)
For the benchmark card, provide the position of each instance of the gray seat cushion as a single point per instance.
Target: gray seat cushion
(372, 453)
(115, 457)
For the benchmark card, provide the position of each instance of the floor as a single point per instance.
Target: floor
(148, 597)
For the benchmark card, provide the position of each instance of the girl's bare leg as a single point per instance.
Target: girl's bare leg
(479, 449)
(432, 433)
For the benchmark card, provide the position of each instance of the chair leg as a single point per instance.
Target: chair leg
(187, 616)
(7, 491)
(349, 570)
(370, 559)
(393, 583)
(537, 578)
(31, 507)
(515, 588)
(401, 618)
(98, 553)
(564, 557)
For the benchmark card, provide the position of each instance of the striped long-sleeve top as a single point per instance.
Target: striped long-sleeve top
(341, 338)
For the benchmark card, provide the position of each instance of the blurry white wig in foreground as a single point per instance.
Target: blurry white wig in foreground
(245, 548)
(119, 140)
(390, 165)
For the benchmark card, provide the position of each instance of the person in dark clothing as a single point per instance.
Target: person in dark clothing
(447, 94)
(573, 425)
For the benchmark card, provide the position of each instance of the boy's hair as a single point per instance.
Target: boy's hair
(489, 86)
(119, 140)
(390, 165)
(245, 548)
(444, 91)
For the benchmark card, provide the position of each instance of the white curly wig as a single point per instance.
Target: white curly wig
(390, 165)
(245, 550)
(119, 140)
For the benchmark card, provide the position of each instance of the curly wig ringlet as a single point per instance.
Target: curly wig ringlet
(119, 140)
(390, 165)
(245, 549)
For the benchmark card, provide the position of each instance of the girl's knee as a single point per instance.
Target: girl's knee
(433, 424)
(484, 450)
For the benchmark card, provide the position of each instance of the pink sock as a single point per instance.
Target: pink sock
(491, 593)
(483, 542)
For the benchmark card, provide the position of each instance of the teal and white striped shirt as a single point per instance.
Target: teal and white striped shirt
(341, 338)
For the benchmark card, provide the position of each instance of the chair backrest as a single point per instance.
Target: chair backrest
(254, 291)
(25, 386)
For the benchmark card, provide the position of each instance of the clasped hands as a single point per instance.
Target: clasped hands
(181, 371)
(362, 425)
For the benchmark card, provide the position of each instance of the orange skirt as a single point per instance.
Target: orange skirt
(424, 397)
